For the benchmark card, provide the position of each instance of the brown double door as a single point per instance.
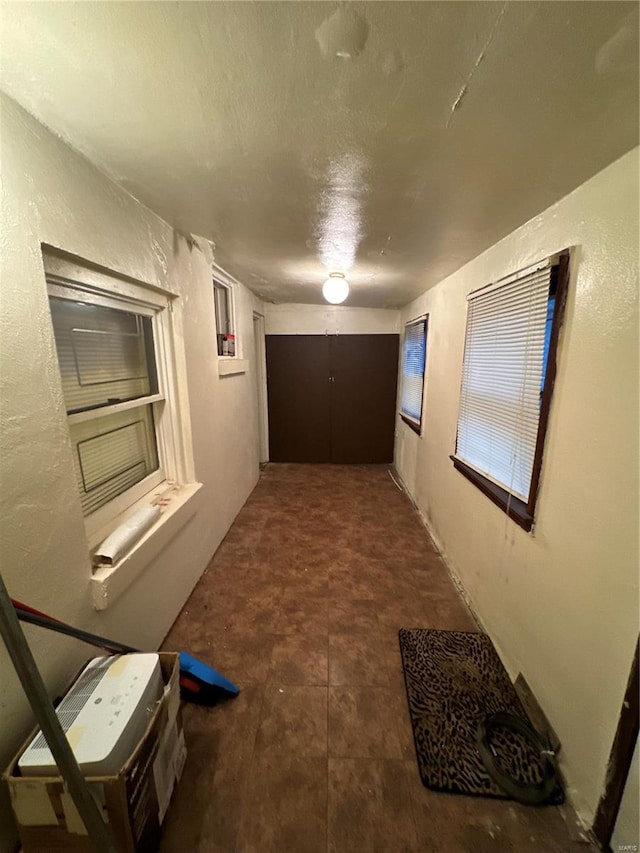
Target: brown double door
(331, 398)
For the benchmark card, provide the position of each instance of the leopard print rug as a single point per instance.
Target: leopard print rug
(453, 680)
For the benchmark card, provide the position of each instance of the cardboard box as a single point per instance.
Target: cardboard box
(133, 803)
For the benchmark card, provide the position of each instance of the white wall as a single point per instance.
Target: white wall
(298, 319)
(52, 195)
(562, 603)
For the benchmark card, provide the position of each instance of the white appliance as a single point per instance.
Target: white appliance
(104, 714)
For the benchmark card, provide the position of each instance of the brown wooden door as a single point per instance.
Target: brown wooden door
(363, 397)
(299, 401)
(331, 398)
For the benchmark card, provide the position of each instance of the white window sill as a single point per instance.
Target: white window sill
(230, 364)
(109, 582)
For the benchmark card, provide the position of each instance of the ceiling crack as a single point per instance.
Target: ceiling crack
(463, 90)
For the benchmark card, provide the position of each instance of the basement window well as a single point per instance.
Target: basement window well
(509, 369)
(114, 341)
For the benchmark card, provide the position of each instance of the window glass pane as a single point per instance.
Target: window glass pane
(105, 355)
(551, 307)
(413, 364)
(113, 453)
(503, 372)
(223, 316)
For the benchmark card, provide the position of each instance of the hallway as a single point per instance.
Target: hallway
(301, 607)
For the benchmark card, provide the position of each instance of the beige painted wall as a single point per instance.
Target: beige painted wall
(53, 195)
(298, 319)
(561, 604)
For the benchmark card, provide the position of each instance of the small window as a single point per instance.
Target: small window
(414, 355)
(507, 380)
(117, 387)
(224, 319)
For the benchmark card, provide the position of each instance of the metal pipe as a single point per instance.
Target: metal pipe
(62, 628)
(33, 685)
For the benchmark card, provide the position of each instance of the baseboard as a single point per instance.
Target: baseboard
(535, 712)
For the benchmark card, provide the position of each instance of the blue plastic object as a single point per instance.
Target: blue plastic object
(200, 682)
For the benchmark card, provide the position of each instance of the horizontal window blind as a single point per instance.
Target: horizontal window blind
(413, 364)
(113, 453)
(105, 355)
(502, 379)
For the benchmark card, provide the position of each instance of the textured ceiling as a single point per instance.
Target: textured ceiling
(392, 141)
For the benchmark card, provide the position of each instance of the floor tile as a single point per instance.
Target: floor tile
(448, 613)
(257, 612)
(344, 584)
(363, 723)
(293, 721)
(205, 814)
(444, 613)
(246, 531)
(285, 806)
(224, 735)
(300, 613)
(308, 580)
(370, 808)
(352, 616)
(359, 659)
(233, 552)
(299, 659)
(243, 658)
(400, 705)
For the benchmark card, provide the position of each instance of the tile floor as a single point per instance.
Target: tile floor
(301, 607)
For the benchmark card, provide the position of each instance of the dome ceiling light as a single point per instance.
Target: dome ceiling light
(336, 288)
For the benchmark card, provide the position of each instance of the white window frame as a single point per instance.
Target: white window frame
(72, 280)
(224, 281)
(411, 422)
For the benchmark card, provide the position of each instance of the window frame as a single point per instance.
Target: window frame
(413, 424)
(71, 279)
(523, 512)
(221, 282)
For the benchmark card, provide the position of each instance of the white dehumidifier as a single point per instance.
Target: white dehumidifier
(103, 715)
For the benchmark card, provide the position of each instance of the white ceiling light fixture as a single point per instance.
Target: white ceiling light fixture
(336, 288)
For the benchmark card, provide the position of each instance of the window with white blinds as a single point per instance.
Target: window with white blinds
(107, 359)
(414, 354)
(506, 353)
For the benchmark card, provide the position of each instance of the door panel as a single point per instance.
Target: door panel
(332, 398)
(298, 388)
(363, 391)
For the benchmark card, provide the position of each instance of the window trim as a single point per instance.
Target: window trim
(523, 513)
(222, 279)
(110, 289)
(413, 424)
